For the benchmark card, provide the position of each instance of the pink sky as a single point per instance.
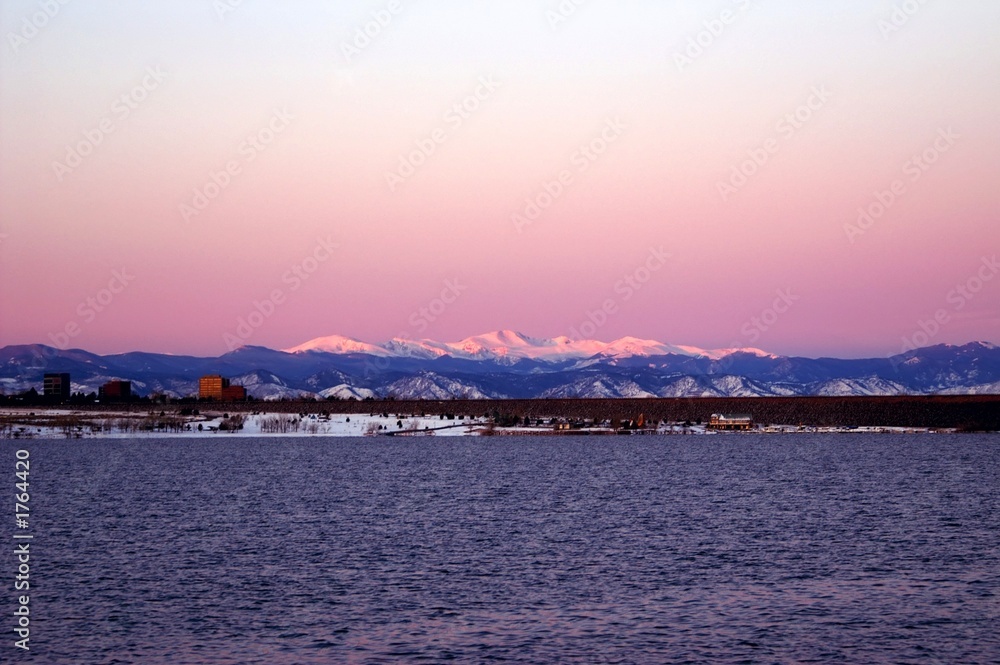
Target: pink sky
(335, 127)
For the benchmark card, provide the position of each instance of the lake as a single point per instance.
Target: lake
(743, 548)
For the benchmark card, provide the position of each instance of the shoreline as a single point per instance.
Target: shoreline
(966, 413)
(67, 423)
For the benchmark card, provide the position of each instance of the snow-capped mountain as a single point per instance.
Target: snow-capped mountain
(428, 385)
(508, 345)
(597, 387)
(267, 386)
(509, 364)
(871, 385)
(344, 391)
(339, 344)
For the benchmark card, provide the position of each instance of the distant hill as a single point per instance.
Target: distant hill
(507, 364)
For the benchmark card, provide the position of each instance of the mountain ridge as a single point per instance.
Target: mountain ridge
(508, 364)
(512, 344)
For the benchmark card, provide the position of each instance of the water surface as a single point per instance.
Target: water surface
(804, 548)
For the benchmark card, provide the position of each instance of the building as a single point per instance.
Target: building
(56, 385)
(115, 390)
(736, 422)
(234, 394)
(215, 387)
(210, 387)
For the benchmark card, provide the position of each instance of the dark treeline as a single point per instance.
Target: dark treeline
(973, 413)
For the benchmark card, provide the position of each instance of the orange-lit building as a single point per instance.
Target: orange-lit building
(215, 387)
(210, 387)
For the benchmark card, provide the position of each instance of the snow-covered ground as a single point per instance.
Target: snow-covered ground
(341, 425)
(110, 425)
(65, 423)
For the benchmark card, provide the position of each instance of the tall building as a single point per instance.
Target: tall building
(210, 387)
(215, 387)
(56, 385)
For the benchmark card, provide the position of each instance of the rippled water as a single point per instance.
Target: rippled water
(643, 549)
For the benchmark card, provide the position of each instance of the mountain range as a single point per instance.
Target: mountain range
(508, 364)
